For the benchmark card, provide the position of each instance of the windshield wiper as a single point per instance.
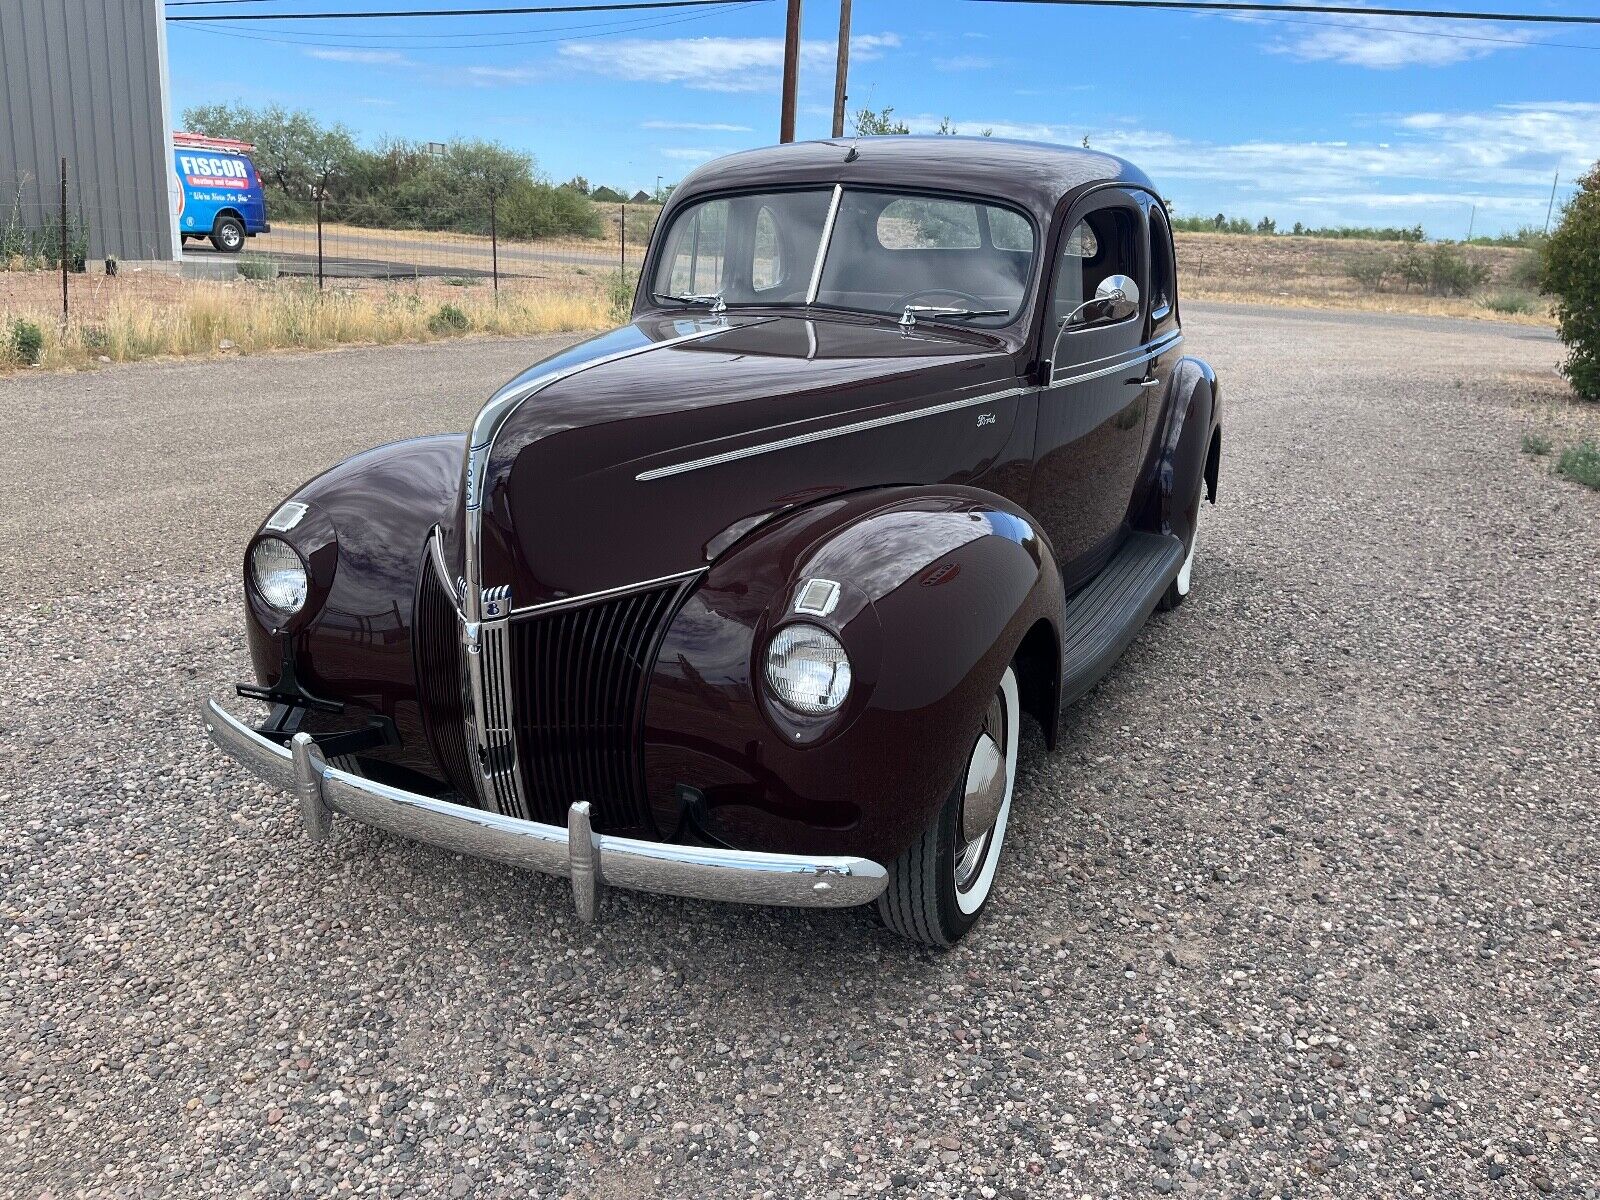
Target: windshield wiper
(908, 318)
(714, 300)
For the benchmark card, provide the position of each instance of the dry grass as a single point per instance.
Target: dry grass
(204, 318)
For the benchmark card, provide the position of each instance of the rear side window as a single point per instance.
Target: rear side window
(1163, 273)
(920, 223)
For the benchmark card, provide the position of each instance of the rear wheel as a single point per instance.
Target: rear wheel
(227, 235)
(1178, 590)
(940, 885)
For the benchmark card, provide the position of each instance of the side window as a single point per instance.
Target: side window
(766, 263)
(696, 250)
(1163, 272)
(1104, 243)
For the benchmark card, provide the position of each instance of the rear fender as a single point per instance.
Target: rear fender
(1183, 452)
(937, 589)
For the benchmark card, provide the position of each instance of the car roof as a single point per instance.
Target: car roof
(1035, 175)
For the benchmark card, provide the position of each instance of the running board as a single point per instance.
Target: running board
(1104, 617)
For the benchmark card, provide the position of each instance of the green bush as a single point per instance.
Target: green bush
(536, 210)
(257, 266)
(1581, 463)
(449, 319)
(619, 291)
(1572, 276)
(1440, 270)
(24, 342)
(1370, 272)
(1536, 444)
(1528, 270)
(1510, 302)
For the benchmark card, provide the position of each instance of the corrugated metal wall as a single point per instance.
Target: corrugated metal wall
(85, 80)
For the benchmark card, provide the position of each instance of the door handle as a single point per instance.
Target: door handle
(1146, 383)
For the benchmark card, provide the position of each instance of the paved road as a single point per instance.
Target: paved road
(1306, 904)
(404, 254)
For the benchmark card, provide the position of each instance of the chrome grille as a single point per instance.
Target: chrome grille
(579, 677)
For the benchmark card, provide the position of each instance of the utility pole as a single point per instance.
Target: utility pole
(1552, 205)
(1471, 221)
(791, 71)
(843, 68)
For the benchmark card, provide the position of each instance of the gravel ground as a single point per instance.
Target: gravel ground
(1305, 906)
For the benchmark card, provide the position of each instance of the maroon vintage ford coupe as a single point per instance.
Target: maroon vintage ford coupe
(745, 600)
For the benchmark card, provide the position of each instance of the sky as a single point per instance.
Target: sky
(1312, 118)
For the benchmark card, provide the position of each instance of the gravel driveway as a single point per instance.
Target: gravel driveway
(1306, 905)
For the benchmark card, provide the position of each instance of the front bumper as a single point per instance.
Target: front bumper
(590, 860)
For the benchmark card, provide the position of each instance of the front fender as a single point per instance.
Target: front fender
(939, 586)
(356, 646)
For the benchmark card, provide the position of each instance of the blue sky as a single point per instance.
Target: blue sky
(1322, 119)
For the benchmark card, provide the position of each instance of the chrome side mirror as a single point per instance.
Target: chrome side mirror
(1116, 299)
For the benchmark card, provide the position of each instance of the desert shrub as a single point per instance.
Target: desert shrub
(1536, 444)
(1581, 463)
(93, 338)
(536, 210)
(1510, 302)
(449, 319)
(1370, 272)
(257, 266)
(619, 293)
(1572, 275)
(24, 342)
(1528, 271)
(1440, 270)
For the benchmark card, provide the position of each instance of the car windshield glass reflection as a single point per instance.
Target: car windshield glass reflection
(890, 253)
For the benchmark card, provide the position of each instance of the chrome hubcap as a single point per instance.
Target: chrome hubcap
(984, 794)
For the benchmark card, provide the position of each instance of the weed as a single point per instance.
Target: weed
(257, 266)
(619, 292)
(24, 342)
(1370, 272)
(1536, 444)
(1581, 463)
(461, 281)
(448, 320)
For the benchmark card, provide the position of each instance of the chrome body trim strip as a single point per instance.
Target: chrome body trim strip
(530, 610)
(822, 245)
(802, 439)
(1121, 362)
(591, 861)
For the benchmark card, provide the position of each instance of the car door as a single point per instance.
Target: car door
(1091, 420)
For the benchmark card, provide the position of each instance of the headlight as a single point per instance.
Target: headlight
(279, 575)
(808, 670)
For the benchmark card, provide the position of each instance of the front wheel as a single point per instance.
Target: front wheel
(1178, 590)
(940, 885)
(228, 235)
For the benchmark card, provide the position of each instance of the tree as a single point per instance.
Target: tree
(1572, 275)
(578, 184)
(872, 124)
(293, 150)
(946, 128)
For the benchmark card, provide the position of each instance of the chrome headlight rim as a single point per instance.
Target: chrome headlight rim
(791, 645)
(287, 596)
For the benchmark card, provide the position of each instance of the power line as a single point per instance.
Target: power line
(461, 12)
(1433, 14)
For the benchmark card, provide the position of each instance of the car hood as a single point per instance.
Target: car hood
(648, 451)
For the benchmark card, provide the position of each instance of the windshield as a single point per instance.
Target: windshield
(947, 259)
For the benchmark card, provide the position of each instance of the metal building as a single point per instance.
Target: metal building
(86, 80)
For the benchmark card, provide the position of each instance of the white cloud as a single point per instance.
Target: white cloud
(713, 64)
(489, 75)
(1500, 158)
(1386, 43)
(690, 153)
(373, 58)
(966, 62)
(696, 126)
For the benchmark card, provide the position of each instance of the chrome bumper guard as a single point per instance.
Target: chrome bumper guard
(590, 860)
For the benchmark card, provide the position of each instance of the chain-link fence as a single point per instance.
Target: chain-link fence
(484, 244)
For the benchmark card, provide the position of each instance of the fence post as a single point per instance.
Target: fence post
(63, 241)
(622, 262)
(319, 239)
(494, 245)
